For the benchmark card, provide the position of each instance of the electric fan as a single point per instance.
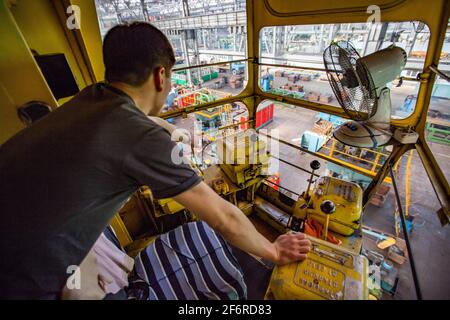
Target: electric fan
(359, 85)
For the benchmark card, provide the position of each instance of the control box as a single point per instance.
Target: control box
(347, 196)
(330, 272)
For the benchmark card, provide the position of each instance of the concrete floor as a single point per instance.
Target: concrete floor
(428, 238)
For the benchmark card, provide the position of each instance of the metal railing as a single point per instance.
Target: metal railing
(210, 65)
(439, 73)
(364, 172)
(316, 69)
(214, 20)
(374, 164)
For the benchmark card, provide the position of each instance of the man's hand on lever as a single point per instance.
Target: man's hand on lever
(237, 229)
(291, 247)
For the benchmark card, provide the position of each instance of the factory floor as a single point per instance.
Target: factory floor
(429, 241)
(398, 94)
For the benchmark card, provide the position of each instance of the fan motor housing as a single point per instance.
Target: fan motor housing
(383, 66)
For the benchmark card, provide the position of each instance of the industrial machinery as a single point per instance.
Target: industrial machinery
(264, 116)
(334, 203)
(204, 74)
(347, 199)
(360, 85)
(330, 272)
(312, 141)
(248, 38)
(237, 68)
(266, 82)
(243, 158)
(210, 118)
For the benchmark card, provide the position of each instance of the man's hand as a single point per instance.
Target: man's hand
(291, 247)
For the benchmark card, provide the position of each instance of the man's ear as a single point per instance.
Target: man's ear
(160, 78)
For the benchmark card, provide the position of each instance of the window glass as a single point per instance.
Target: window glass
(437, 130)
(420, 205)
(381, 214)
(202, 85)
(303, 46)
(206, 126)
(201, 32)
(312, 131)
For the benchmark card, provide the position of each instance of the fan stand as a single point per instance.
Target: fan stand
(382, 118)
(373, 132)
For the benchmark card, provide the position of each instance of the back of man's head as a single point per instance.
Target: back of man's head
(132, 52)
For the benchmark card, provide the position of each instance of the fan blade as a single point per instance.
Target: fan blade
(351, 85)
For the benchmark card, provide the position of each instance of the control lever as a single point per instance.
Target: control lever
(299, 224)
(328, 208)
(315, 165)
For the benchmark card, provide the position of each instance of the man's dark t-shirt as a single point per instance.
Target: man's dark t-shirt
(63, 179)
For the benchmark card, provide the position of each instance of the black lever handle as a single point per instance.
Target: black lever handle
(328, 207)
(315, 165)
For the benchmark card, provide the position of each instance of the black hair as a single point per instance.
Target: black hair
(131, 52)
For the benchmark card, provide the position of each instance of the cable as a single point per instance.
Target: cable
(405, 232)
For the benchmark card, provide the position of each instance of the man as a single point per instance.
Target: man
(64, 178)
(109, 273)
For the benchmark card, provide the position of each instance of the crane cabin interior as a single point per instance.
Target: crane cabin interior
(348, 102)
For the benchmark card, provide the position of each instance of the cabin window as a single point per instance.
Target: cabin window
(437, 130)
(306, 135)
(201, 33)
(206, 126)
(302, 46)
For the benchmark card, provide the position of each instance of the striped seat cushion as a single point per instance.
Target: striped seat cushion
(191, 262)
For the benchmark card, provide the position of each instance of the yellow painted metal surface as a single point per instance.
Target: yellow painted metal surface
(289, 8)
(243, 158)
(330, 272)
(40, 26)
(169, 206)
(121, 231)
(20, 77)
(90, 37)
(347, 197)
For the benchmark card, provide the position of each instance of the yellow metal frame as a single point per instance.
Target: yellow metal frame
(375, 164)
(121, 231)
(435, 14)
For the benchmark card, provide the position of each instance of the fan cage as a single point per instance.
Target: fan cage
(350, 81)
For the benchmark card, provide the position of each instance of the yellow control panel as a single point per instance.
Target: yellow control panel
(330, 272)
(347, 196)
(320, 279)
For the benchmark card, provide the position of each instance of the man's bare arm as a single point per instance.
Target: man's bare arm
(235, 227)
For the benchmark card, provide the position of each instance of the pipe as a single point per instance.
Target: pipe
(405, 232)
(440, 73)
(210, 65)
